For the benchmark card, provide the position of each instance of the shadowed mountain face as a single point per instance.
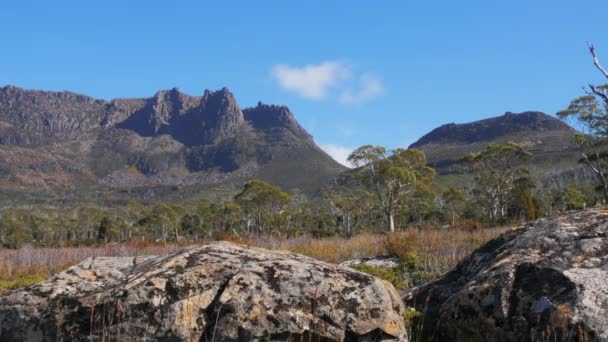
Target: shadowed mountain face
(555, 160)
(53, 141)
(507, 125)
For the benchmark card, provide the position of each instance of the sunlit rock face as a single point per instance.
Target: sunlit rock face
(545, 281)
(218, 291)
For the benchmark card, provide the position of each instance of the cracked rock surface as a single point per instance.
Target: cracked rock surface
(547, 281)
(214, 292)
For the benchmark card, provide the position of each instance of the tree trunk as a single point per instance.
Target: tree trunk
(391, 221)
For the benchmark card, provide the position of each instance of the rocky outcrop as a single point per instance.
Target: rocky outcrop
(214, 292)
(265, 116)
(33, 117)
(377, 261)
(547, 281)
(189, 119)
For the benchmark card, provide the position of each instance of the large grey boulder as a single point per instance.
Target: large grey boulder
(547, 281)
(214, 292)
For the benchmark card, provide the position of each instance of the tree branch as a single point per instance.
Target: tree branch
(601, 94)
(596, 62)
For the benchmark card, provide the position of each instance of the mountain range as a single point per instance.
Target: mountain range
(555, 160)
(64, 147)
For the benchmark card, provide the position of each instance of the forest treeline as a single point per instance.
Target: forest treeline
(391, 190)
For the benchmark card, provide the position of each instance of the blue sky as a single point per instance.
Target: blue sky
(353, 72)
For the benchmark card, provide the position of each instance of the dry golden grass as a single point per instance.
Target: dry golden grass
(27, 265)
(451, 244)
(436, 249)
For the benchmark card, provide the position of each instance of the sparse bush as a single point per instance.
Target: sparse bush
(467, 225)
(392, 275)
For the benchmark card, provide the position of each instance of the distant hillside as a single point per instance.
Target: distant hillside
(555, 159)
(64, 145)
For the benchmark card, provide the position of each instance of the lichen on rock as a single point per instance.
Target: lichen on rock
(545, 281)
(218, 291)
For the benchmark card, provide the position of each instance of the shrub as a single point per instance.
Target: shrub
(467, 225)
(22, 278)
(392, 275)
(401, 244)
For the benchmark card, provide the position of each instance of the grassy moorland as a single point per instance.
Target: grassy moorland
(423, 253)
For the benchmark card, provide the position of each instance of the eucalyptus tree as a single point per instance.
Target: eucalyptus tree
(260, 201)
(497, 168)
(451, 202)
(392, 176)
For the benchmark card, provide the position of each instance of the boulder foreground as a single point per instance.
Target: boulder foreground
(214, 292)
(545, 282)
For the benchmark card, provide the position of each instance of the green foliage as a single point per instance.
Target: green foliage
(392, 275)
(263, 209)
(451, 203)
(22, 279)
(14, 232)
(524, 204)
(394, 177)
(409, 316)
(410, 271)
(497, 168)
(573, 198)
(160, 222)
(262, 204)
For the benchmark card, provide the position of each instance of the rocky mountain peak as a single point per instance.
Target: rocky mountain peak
(220, 114)
(266, 116)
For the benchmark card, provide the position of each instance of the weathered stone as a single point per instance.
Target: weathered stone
(377, 261)
(218, 291)
(546, 281)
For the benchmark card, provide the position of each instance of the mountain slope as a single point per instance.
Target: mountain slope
(167, 146)
(555, 160)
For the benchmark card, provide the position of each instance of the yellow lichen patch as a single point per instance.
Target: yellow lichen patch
(90, 275)
(536, 251)
(502, 262)
(175, 262)
(578, 259)
(158, 282)
(564, 309)
(391, 328)
(186, 323)
(133, 170)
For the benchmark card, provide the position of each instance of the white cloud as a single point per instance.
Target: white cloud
(369, 88)
(335, 78)
(339, 153)
(313, 81)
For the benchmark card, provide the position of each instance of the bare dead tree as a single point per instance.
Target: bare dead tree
(592, 118)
